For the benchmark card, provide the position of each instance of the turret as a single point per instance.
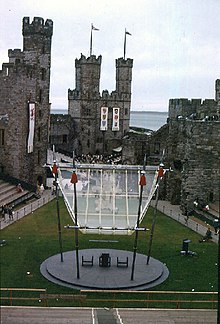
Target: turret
(88, 75)
(123, 76)
(37, 35)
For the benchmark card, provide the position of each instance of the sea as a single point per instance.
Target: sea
(143, 119)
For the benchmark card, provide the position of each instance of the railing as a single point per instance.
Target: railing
(32, 206)
(152, 299)
(115, 298)
(21, 294)
(178, 216)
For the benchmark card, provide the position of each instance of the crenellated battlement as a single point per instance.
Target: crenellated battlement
(88, 60)
(37, 26)
(15, 52)
(194, 108)
(7, 69)
(15, 56)
(120, 62)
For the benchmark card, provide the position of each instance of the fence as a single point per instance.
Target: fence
(115, 298)
(21, 294)
(29, 208)
(174, 212)
(153, 299)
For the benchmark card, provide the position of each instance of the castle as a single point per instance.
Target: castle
(99, 123)
(24, 104)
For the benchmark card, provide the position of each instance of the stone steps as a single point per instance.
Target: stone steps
(9, 194)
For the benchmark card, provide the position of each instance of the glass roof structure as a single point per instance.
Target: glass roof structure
(108, 196)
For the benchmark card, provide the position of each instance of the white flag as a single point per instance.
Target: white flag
(31, 110)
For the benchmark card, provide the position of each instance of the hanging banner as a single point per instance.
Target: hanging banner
(115, 121)
(104, 119)
(31, 111)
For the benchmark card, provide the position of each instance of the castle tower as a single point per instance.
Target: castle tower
(24, 98)
(82, 102)
(88, 75)
(86, 106)
(124, 76)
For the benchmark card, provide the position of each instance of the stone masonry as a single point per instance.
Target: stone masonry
(190, 138)
(26, 79)
(193, 151)
(85, 104)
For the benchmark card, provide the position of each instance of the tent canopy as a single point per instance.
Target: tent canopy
(107, 196)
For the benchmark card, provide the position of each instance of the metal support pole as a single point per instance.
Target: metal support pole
(154, 222)
(76, 220)
(58, 218)
(136, 234)
(76, 232)
(142, 184)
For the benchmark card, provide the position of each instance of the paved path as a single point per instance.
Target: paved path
(28, 209)
(55, 315)
(175, 212)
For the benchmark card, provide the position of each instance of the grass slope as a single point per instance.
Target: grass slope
(35, 237)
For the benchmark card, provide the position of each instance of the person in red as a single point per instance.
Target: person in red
(161, 170)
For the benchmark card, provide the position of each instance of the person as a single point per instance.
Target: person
(216, 225)
(19, 188)
(207, 237)
(10, 213)
(5, 211)
(41, 189)
(54, 188)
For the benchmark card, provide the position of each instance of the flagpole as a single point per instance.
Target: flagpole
(91, 41)
(125, 44)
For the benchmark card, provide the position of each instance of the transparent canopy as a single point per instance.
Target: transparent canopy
(107, 196)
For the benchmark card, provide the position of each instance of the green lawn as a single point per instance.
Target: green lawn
(34, 238)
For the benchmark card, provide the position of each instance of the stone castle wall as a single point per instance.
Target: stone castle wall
(85, 102)
(26, 78)
(193, 151)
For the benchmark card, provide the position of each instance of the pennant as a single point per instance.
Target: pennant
(104, 119)
(127, 33)
(115, 121)
(161, 171)
(54, 169)
(143, 180)
(74, 178)
(30, 144)
(93, 28)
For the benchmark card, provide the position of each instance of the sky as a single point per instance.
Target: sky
(174, 44)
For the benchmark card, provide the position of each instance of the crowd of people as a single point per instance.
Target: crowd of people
(98, 159)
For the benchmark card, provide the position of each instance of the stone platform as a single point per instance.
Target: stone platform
(96, 277)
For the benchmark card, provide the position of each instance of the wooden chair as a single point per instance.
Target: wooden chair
(105, 260)
(121, 263)
(87, 262)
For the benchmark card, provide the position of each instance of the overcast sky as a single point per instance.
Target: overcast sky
(175, 44)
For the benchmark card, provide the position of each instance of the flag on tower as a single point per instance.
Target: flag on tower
(126, 33)
(94, 28)
(31, 111)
